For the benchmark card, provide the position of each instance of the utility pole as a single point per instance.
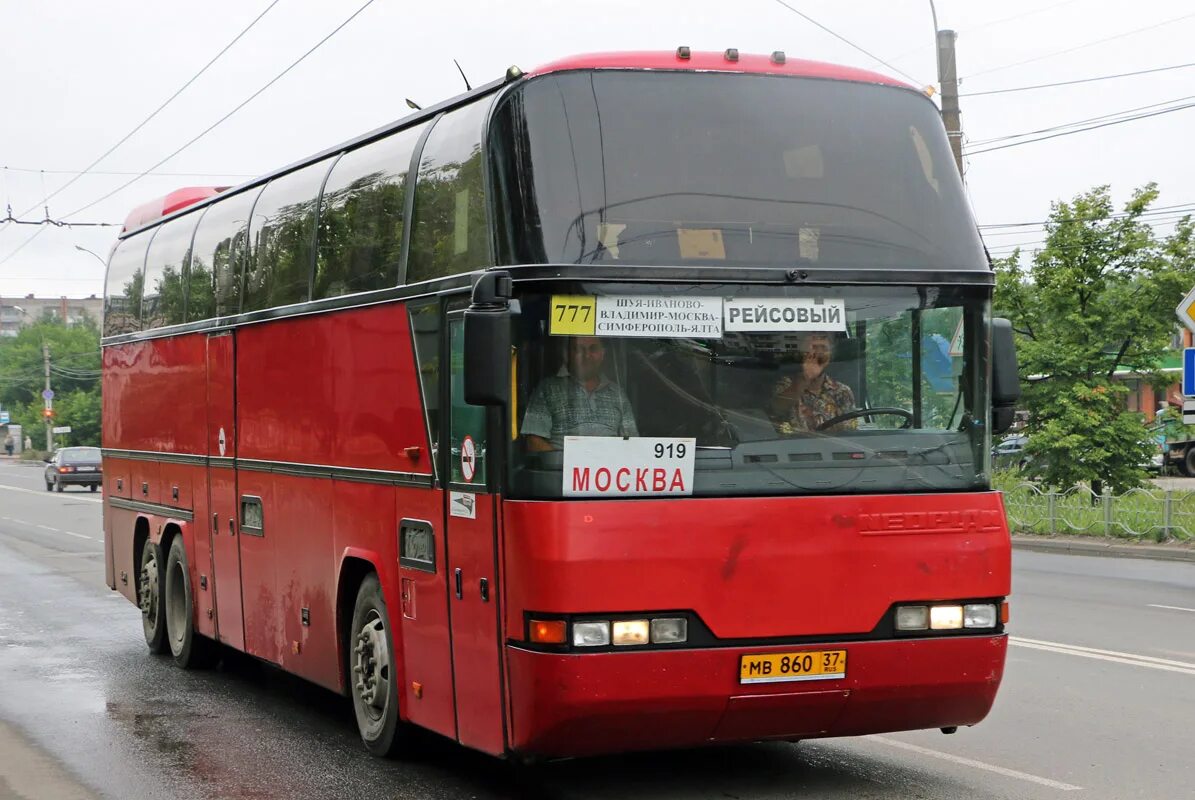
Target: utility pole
(948, 80)
(49, 396)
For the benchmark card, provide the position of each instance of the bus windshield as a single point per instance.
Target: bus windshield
(764, 390)
(709, 169)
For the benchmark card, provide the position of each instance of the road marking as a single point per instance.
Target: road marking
(48, 528)
(970, 762)
(47, 495)
(76, 535)
(1172, 608)
(1113, 656)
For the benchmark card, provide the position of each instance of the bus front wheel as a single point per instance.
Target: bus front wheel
(372, 673)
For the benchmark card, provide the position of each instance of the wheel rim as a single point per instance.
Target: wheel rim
(149, 589)
(371, 672)
(176, 605)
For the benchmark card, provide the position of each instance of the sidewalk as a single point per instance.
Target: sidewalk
(28, 773)
(1100, 546)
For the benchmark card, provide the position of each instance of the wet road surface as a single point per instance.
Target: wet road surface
(1098, 699)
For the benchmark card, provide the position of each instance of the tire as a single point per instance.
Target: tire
(150, 582)
(1189, 461)
(190, 649)
(58, 485)
(93, 487)
(372, 676)
(49, 486)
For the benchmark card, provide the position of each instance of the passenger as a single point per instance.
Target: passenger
(577, 401)
(801, 405)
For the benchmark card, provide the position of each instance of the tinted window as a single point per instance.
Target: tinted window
(715, 169)
(425, 328)
(449, 233)
(70, 454)
(126, 274)
(282, 232)
(217, 257)
(165, 267)
(361, 217)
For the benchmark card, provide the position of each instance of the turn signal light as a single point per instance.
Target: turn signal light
(549, 631)
(66, 469)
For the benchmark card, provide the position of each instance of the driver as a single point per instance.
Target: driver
(806, 402)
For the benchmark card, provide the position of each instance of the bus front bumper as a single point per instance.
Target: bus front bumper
(579, 704)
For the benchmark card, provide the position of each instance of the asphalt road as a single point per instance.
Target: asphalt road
(1098, 700)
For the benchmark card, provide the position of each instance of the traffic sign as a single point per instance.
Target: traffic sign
(47, 395)
(4, 420)
(1189, 412)
(1186, 310)
(1189, 371)
(62, 429)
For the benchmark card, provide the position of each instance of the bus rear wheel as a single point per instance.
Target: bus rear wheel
(150, 581)
(372, 674)
(189, 648)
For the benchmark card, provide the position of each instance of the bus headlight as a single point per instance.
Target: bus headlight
(591, 634)
(630, 631)
(912, 618)
(979, 615)
(945, 618)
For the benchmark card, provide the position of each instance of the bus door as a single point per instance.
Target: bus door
(472, 556)
(222, 489)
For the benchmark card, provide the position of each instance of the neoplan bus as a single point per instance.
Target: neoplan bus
(316, 383)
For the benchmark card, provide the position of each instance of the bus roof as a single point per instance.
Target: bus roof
(708, 61)
(164, 206)
(692, 61)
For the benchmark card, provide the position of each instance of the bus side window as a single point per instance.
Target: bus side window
(450, 233)
(361, 217)
(278, 270)
(217, 254)
(126, 277)
(165, 273)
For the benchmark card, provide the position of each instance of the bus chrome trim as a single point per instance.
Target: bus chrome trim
(327, 471)
(149, 455)
(151, 508)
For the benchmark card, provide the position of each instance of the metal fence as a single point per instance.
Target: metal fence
(1158, 514)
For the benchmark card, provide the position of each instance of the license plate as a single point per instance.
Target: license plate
(806, 665)
(86, 469)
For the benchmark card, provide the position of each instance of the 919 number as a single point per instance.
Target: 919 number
(672, 450)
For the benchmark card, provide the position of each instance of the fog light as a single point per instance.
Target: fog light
(591, 634)
(630, 631)
(669, 630)
(944, 618)
(979, 615)
(912, 618)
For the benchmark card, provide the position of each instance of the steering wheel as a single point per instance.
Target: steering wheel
(868, 412)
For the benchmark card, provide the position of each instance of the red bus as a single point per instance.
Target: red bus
(643, 400)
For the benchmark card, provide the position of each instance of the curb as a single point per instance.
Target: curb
(1100, 548)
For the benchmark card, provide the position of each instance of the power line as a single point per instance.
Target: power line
(23, 245)
(126, 173)
(1079, 80)
(1113, 215)
(847, 41)
(59, 223)
(970, 153)
(218, 122)
(158, 110)
(1029, 13)
(1079, 47)
(1078, 122)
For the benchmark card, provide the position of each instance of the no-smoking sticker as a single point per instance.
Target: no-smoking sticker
(468, 459)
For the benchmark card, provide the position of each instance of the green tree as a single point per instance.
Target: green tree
(1098, 297)
(75, 365)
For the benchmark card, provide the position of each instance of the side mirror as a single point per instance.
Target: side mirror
(1006, 384)
(487, 341)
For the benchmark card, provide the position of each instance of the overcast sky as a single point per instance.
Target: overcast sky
(76, 76)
